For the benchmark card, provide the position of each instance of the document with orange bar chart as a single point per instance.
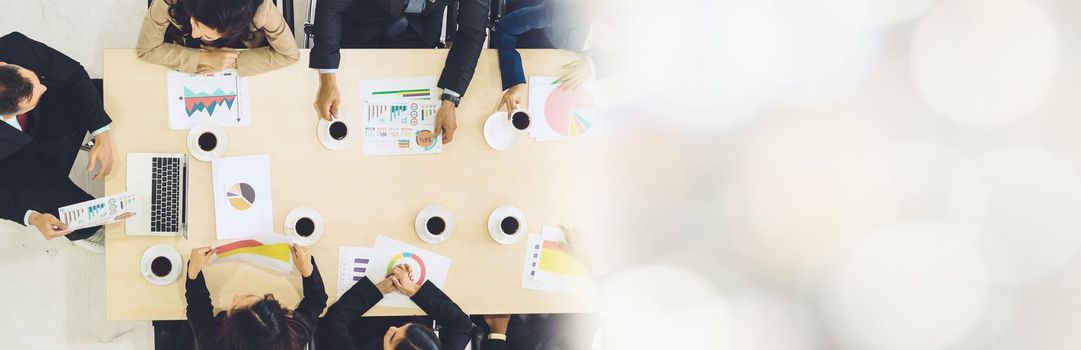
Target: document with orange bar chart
(242, 203)
(551, 266)
(221, 98)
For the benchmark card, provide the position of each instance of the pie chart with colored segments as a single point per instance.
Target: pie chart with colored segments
(565, 111)
(413, 260)
(241, 196)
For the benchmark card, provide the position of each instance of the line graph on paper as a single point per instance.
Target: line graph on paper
(220, 98)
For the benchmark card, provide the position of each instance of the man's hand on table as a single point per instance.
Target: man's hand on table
(328, 98)
(445, 122)
(198, 259)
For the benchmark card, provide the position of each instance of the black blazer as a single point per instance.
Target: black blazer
(70, 107)
(205, 325)
(454, 333)
(376, 15)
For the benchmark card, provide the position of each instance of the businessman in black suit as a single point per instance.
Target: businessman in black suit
(47, 104)
(398, 24)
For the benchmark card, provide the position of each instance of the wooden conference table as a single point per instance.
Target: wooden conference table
(358, 196)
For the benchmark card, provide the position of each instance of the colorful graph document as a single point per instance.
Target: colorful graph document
(400, 127)
(427, 267)
(353, 263)
(560, 114)
(398, 116)
(242, 200)
(98, 212)
(221, 98)
(549, 265)
(269, 250)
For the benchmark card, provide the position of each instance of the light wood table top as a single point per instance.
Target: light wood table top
(359, 197)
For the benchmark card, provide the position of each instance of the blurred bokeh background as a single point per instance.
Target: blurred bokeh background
(844, 174)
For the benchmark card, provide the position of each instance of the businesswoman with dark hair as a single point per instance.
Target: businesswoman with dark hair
(254, 321)
(201, 36)
(343, 327)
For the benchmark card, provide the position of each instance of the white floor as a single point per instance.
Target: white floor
(54, 293)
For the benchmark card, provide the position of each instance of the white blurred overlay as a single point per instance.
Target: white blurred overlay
(844, 174)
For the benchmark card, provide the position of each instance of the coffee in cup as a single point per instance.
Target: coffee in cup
(521, 120)
(338, 130)
(436, 225)
(509, 225)
(208, 141)
(161, 266)
(304, 227)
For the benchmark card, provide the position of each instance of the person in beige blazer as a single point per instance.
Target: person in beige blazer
(202, 36)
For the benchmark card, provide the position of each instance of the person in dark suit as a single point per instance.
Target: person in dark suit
(344, 328)
(254, 321)
(48, 105)
(540, 332)
(555, 24)
(398, 24)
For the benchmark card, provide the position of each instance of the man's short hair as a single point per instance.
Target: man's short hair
(14, 89)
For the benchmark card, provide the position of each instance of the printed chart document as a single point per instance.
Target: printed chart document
(426, 265)
(560, 114)
(242, 200)
(398, 116)
(221, 98)
(550, 265)
(98, 212)
(353, 263)
(271, 251)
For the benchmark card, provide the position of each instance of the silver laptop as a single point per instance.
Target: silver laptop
(160, 184)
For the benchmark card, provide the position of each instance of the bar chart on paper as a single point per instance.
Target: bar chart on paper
(220, 98)
(400, 127)
(98, 212)
(352, 266)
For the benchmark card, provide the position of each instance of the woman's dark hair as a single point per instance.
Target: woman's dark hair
(14, 89)
(418, 337)
(265, 325)
(231, 18)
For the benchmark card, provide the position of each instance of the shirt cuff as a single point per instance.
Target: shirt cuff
(26, 217)
(451, 92)
(99, 131)
(328, 71)
(497, 336)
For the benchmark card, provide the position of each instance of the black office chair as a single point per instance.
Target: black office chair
(451, 25)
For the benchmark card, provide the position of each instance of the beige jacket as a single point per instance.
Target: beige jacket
(268, 23)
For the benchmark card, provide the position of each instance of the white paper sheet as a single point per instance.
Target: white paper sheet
(98, 212)
(560, 114)
(353, 263)
(426, 266)
(242, 196)
(221, 98)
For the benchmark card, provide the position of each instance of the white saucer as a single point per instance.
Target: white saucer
(297, 214)
(497, 217)
(422, 228)
(161, 250)
(193, 142)
(322, 132)
(499, 133)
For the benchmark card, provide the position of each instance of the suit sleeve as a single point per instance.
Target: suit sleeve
(315, 296)
(506, 35)
(12, 209)
(151, 46)
(494, 344)
(283, 47)
(200, 311)
(455, 324)
(334, 328)
(326, 49)
(57, 67)
(462, 59)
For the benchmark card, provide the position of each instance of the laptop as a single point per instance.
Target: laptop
(160, 184)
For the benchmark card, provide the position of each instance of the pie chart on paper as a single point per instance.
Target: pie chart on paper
(565, 111)
(241, 196)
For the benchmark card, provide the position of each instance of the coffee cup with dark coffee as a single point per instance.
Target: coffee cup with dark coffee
(304, 227)
(208, 141)
(338, 130)
(436, 225)
(521, 120)
(509, 225)
(161, 266)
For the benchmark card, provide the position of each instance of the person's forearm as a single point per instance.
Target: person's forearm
(328, 79)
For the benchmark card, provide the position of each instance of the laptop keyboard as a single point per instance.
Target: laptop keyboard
(165, 201)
